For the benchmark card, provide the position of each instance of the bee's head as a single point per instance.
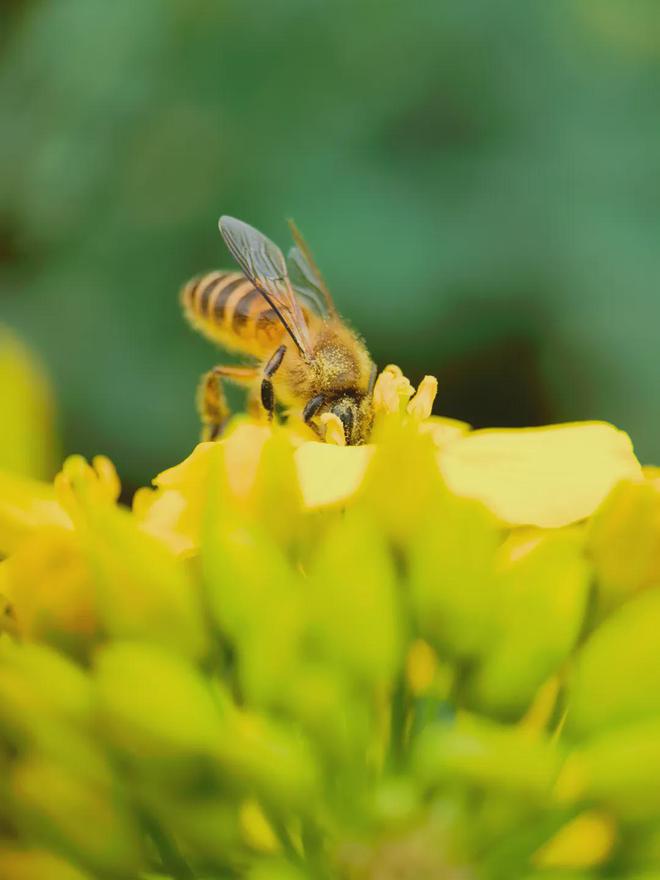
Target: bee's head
(355, 411)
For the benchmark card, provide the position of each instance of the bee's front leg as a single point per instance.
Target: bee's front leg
(311, 408)
(267, 393)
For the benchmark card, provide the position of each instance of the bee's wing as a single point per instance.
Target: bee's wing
(308, 279)
(303, 285)
(263, 263)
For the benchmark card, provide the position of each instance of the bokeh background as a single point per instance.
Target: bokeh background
(480, 183)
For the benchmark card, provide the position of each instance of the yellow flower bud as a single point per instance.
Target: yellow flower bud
(80, 483)
(34, 864)
(52, 590)
(28, 443)
(26, 505)
(584, 842)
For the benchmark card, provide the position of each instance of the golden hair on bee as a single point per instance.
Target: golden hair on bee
(281, 315)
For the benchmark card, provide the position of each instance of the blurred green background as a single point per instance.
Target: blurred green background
(480, 182)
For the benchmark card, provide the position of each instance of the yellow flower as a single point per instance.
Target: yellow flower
(547, 477)
(297, 659)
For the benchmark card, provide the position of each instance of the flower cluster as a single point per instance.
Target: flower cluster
(434, 656)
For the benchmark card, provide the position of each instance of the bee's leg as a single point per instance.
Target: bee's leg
(372, 379)
(267, 394)
(311, 408)
(211, 399)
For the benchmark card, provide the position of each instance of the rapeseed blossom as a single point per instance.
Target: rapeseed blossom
(432, 656)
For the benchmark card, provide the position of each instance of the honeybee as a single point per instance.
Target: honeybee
(283, 316)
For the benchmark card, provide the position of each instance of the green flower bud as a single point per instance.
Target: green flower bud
(256, 599)
(85, 817)
(486, 756)
(617, 675)
(206, 828)
(354, 607)
(542, 588)
(452, 561)
(621, 769)
(270, 759)
(154, 705)
(143, 590)
(43, 696)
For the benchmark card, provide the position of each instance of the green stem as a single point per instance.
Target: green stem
(284, 837)
(398, 722)
(172, 861)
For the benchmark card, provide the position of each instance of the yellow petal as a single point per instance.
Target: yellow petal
(443, 431)
(187, 472)
(24, 506)
(173, 513)
(161, 513)
(243, 448)
(330, 474)
(242, 445)
(548, 477)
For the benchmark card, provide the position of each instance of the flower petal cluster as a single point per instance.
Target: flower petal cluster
(432, 656)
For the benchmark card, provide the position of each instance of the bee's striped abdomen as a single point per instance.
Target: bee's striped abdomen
(227, 308)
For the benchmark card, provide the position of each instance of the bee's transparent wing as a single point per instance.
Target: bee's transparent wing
(308, 279)
(305, 287)
(263, 263)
